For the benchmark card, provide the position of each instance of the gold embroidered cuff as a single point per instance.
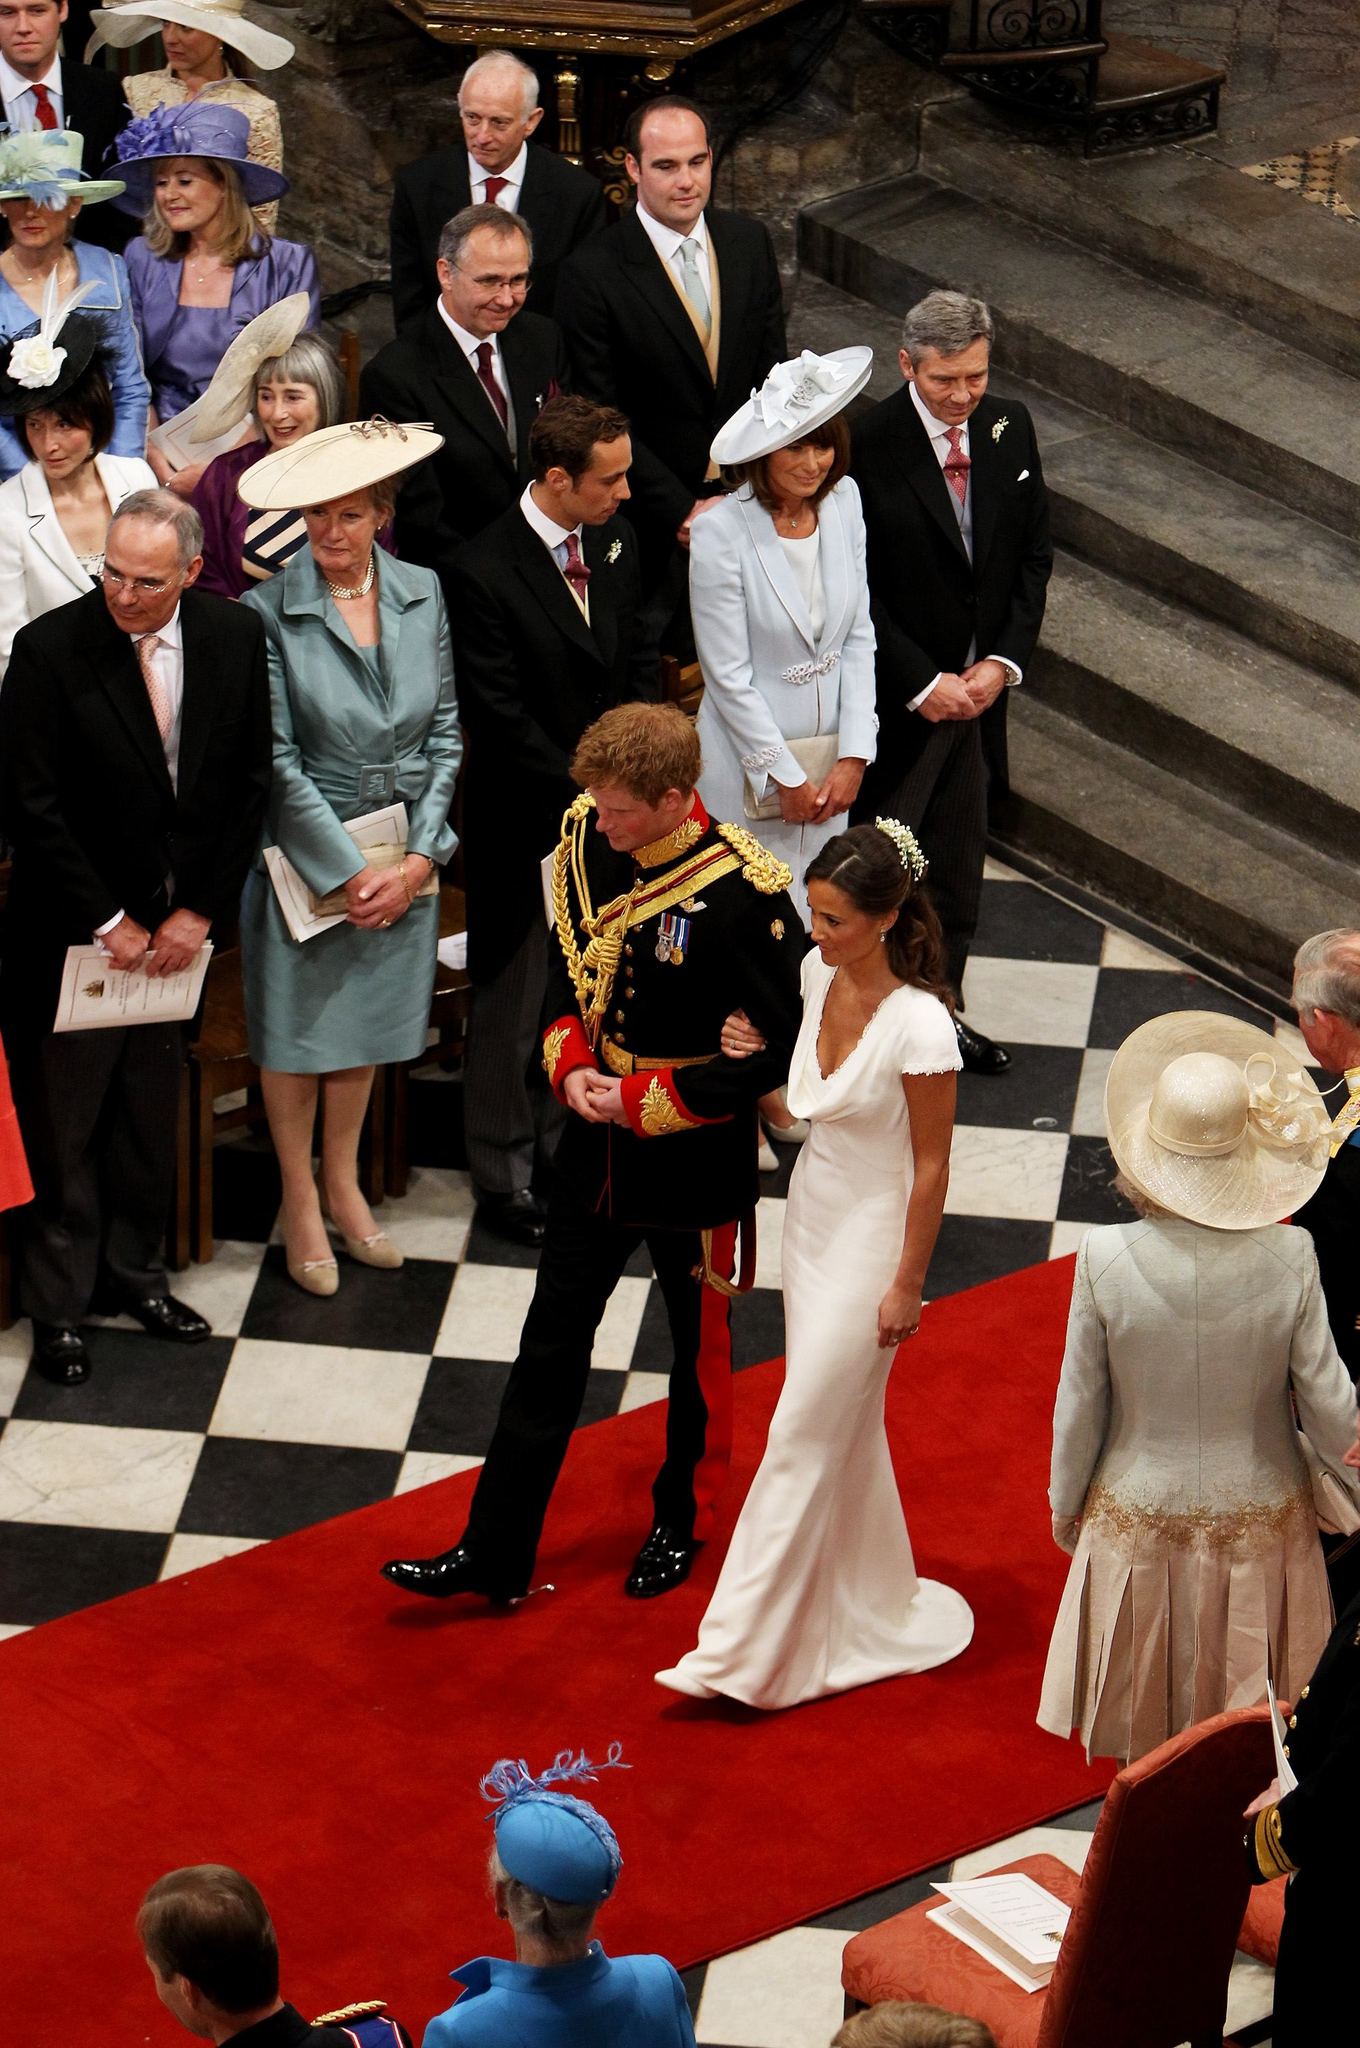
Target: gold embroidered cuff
(1268, 1849)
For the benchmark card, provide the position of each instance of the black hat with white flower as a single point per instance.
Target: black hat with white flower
(39, 365)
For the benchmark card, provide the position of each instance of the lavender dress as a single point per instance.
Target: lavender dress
(182, 345)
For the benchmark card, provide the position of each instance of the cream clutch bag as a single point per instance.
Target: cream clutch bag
(380, 857)
(816, 757)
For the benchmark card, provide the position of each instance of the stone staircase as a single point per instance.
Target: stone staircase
(1187, 744)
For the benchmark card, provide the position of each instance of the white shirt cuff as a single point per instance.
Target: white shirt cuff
(915, 703)
(1014, 673)
(100, 929)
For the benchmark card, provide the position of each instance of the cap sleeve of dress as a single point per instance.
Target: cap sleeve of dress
(813, 972)
(927, 1041)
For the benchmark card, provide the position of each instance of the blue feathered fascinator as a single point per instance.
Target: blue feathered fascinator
(551, 1841)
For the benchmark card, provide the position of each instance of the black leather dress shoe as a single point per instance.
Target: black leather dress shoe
(163, 1316)
(664, 1562)
(519, 1217)
(452, 1571)
(980, 1055)
(59, 1354)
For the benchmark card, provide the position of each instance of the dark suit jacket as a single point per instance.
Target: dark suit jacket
(94, 106)
(1332, 1219)
(562, 204)
(87, 802)
(424, 375)
(532, 675)
(929, 601)
(633, 345)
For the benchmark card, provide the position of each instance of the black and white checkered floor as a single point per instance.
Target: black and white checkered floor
(299, 1409)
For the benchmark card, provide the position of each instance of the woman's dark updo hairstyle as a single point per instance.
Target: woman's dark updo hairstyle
(865, 865)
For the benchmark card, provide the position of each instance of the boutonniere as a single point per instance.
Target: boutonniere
(613, 551)
(999, 429)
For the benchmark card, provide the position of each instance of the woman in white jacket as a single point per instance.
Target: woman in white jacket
(1180, 1480)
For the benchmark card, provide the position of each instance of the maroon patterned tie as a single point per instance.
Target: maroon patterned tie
(486, 371)
(957, 465)
(575, 571)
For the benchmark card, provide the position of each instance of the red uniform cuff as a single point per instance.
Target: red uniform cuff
(565, 1048)
(654, 1108)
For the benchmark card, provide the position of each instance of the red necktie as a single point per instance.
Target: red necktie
(494, 189)
(576, 572)
(47, 113)
(486, 372)
(957, 465)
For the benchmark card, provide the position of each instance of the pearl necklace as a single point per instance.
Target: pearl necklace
(360, 589)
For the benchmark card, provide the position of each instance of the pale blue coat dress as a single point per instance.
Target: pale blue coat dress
(348, 997)
(770, 675)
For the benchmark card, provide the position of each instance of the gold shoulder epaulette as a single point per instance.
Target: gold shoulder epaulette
(758, 865)
(350, 2012)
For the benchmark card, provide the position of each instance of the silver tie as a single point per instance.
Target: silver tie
(692, 282)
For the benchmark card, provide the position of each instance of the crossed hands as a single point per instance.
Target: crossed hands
(596, 1097)
(966, 695)
(167, 950)
(805, 803)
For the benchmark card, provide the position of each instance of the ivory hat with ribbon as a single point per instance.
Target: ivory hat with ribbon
(231, 394)
(44, 166)
(225, 19)
(333, 462)
(795, 400)
(1210, 1120)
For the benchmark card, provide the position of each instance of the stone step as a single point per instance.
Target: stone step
(1187, 215)
(1198, 701)
(1151, 515)
(1174, 370)
(1241, 890)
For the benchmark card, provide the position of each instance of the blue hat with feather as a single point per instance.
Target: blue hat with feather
(552, 1841)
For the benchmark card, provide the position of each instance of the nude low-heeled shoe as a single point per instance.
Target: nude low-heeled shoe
(377, 1250)
(313, 1276)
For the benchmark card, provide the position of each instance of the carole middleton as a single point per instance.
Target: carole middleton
(365, 716)
(780, 604)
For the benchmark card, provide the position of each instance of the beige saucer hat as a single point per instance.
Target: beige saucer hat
(795, 400)
(333, 462)
(1210, 1119)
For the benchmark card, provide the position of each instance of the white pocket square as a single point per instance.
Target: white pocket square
(1021, 478)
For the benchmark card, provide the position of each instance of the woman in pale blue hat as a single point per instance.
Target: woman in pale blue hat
(555, 1862)
(42, 192)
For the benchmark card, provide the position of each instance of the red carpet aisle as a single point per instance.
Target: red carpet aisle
(285, 1711)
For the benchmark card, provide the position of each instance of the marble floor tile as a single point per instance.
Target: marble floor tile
(1088, 1117)
(781, 1993)
(642, 1388)
(222, 1289)
(1121, 949)
(1005, 1173)
(1069, 1845)
(13, 1628)
(14, 1349)
(1030, 1002)
(1066, 1238)
(423, 1468)
(1251, 1993)
(997, 871)
(433, 1218)
(320, 1394)
(95, 1475)
(486, 1309)
(188, 1553)
(617, 1334)
(769, 1238)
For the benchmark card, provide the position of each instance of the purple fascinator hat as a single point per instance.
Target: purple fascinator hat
(198, 128)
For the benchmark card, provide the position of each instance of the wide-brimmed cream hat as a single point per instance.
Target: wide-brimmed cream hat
(796, 398)
(229, 398)
(334, 462)
(44, 166)
(225, 19)
(1211, 1120)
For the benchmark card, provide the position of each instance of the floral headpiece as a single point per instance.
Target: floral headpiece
(35, 361)
(514, 1789)
(794, 389)
(162, 132)
(26, 161)
(904, 839)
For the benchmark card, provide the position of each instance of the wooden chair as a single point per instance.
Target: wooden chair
(1155, 1915)
(682, 683)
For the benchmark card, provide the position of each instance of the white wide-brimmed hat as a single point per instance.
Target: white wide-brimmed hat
(796, 398)
(333, 462)
(44, 166)
(225, 19)
(1210, 1119)
(229, 398)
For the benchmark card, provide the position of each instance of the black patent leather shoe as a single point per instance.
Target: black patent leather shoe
(59, 1354)
(980, 1055)
(664, 1562)
(452, 1571)
(163, 1316)
(519, 1217)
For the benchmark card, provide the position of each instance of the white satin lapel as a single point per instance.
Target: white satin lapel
(774, 562)
(44, 528)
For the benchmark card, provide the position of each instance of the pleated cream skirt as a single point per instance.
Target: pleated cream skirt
(1168, 1618)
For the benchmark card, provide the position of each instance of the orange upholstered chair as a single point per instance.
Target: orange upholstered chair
(1155, 1916)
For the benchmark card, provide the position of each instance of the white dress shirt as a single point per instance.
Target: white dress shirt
(168, 662)
(508, 196)
(21, 109)
(469, 344)
(939, 431)
(554, 539)
(666, 242)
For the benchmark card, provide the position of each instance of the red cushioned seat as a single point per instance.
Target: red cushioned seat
(1259, 1934)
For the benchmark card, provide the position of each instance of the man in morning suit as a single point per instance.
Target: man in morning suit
(674, 315)
(42, 89)
(498, 107)
(665, 923)
(134, 766)
(956, 517)
(545, 611)
(479, 368)
(1327, 1000)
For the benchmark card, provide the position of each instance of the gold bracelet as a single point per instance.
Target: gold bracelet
(401, 870)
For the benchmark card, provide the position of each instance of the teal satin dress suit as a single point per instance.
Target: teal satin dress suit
(354, 728)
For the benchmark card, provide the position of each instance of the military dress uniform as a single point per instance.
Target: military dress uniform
(1313, 1833)
(654, 950)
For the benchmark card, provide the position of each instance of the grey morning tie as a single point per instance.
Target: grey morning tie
(692, 281)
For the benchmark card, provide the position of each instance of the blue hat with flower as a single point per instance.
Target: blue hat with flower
(197, 128)
(551, 1841)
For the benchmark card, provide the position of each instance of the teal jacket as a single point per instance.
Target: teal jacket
(343, 743)
(604, 2001)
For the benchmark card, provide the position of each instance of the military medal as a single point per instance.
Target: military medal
(672, 938)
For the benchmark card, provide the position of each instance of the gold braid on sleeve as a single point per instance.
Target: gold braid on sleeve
(758, 865)
(593, 971)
